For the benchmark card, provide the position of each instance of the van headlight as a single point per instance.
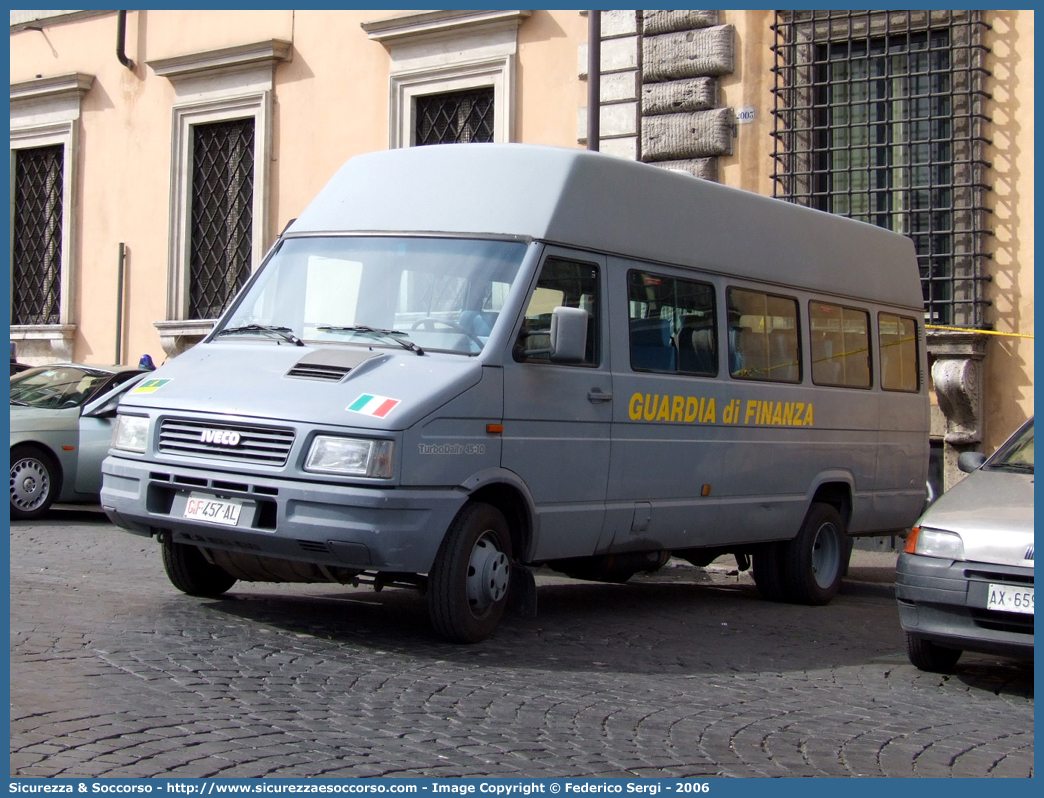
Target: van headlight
(131, 433)
(935, 543)
(357, 457)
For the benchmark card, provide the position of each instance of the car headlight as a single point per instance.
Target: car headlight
(131, 433)
(935, 543)
(357, 457)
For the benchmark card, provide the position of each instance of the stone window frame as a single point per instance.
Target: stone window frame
(214, 86)
(436, 52)
(46, 112)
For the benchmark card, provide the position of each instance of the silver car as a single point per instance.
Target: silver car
(61, 427)
(965, 580)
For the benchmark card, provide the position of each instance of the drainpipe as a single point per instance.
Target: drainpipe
(119, 303)
(594, 78)
(121, 40)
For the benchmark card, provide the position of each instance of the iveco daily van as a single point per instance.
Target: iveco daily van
(463, 361)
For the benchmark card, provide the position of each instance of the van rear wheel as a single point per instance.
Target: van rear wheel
(189, 571)
(468, 584)
(813, 562)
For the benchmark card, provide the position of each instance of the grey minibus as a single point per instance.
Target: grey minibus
(461, 362)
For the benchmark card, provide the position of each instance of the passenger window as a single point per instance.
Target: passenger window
(763, 337)
(840, 342)
(562, 283)
(671, 324)
(899, 357)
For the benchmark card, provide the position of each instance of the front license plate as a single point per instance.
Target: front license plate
(1008, 598)
(217, 511)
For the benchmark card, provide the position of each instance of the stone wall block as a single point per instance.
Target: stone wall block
(706, 168)
(619, 87)
(702, 134)
(689, 54)
(618, 120)
(656, 22)
(695, 94)
(619, 23)
(626, 147)
(619, 54)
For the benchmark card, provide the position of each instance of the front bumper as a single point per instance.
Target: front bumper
(945, 601)
(345, 526)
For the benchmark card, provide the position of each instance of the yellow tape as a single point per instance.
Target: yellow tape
(984, 332)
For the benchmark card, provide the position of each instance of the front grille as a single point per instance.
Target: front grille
(1000, 576)
(261, 445)
(1003, 621)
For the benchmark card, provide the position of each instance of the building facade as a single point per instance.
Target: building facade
(156, 155)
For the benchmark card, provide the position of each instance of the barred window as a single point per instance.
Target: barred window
(36, 264)
(879, 117)
(222, 214)
(456, 117)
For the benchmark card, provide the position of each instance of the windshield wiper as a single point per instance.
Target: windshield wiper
(392, 334)
(19, 402)
(283, 332)
(1012, 467)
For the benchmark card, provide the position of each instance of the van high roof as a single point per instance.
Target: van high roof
(607, 204)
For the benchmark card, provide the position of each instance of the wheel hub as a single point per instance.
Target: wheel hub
(826, 555)
(488, 573)
(28, 484)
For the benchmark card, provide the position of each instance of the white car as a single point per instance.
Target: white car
(61, 428)
(965, 580)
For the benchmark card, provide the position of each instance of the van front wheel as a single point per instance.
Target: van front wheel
(813, 562)
(190, 572)
(468, 584)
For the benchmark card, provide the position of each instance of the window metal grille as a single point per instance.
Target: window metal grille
(36, 267)
(879, 117)
(457, 117)
(222, 214)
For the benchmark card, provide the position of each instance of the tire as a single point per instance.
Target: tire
(468, 584)
(35, 482)
(768, 572)
(929, 656)
(814, 561)
(189, 571)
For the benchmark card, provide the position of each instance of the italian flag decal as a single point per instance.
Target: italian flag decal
(370, 405)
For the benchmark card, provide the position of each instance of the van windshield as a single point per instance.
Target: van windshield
(441, 294)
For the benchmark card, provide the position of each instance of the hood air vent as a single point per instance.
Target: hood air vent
(317, 371)
(328, 365)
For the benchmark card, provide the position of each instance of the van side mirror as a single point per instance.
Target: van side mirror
(569, 335)
(970, 461)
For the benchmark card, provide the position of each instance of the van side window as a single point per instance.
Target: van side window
(899, 356)
(562, 283)
(671, 324)
(840, 341)
(763, 337)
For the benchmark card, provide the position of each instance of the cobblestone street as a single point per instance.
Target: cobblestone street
(682, 673)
